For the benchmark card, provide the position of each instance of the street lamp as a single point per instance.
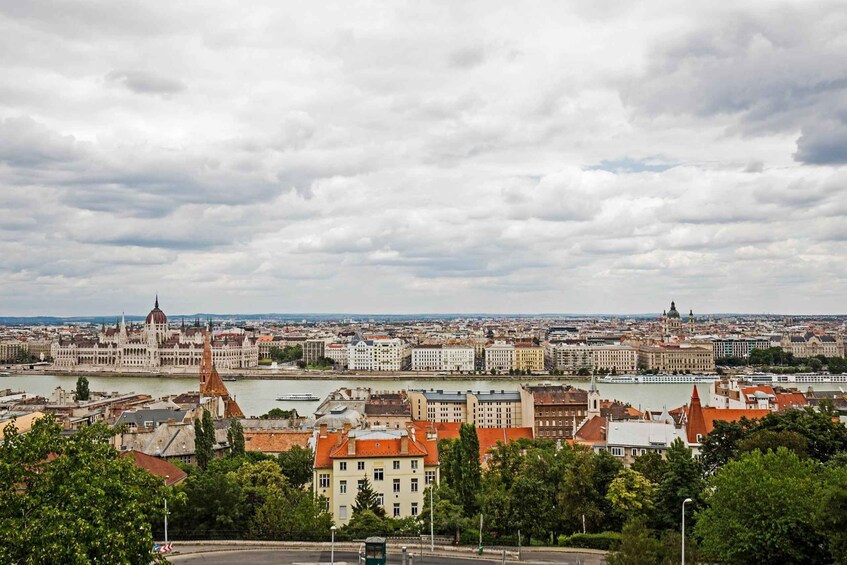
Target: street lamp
(684, 502)
(332, 547)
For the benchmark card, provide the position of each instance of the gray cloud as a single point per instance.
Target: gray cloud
(144, 82)
(409, 157)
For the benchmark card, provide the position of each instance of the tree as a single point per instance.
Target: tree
(448, 514)
(73, 500)
(631, 494)
(465, 469)
(235, 437)
(82, 392)
(214, 504)
(832, 513)
(366, 499)
(770, 440)
(533, 514)
(637, 547)
(683, 478)
(578, 498)
(279, 414)
(365, 523)
(760, 507)
(204, 439)
(825, 437)
(297, 465)
(721, 444)
(652, 465)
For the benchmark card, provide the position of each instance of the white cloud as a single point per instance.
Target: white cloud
(421, 157)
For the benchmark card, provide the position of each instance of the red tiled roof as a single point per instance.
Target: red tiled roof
(335, 446)
(787, 400)
(593, 431)
(157, 466)
(275, 441)
(488, 437)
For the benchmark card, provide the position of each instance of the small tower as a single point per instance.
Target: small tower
(691, 321)
(593, 398)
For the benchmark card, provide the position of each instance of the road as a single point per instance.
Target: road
(284, 556)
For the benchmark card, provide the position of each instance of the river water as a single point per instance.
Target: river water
(258, 396)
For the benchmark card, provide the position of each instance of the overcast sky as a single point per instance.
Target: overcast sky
(395, 157)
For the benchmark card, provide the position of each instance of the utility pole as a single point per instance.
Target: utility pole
(166, 521)
(480, 531)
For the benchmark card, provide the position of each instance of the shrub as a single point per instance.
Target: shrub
(605, 540)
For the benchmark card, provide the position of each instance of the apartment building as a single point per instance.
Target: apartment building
(383, 354)
(529, 358)
(427, 358)
(621, 359)
(399, 464)
(313, 349)
(438, 405)
(556, 411)
(680, 358)
(738, 346)
(338, 352)
(495, 409)
(500, 356)
(458, 359)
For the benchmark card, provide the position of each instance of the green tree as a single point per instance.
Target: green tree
(82, 393)
(760, 508)
(683, 478)
(213, 504)
(365, 523)
(73, 500)
(448, 514)
(825, 437)
(297, 465)
(832, 512)
(652, 465)
(637, 546)
(465, 468)
(291, 514)
(366, 499)
(721, 444)
(631, 494)
(204, 439)
(235, 437)
(578, 497)
(765, 440)
(279, 414)
(534, 513)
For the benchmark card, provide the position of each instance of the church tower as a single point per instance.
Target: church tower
(593, 398)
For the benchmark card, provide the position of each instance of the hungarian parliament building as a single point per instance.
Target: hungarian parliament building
(155, 345)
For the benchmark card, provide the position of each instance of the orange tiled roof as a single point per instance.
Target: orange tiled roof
(157, 466)
(593, 431)
(232, 409)
(275, 441)
(787, 400)
(488, 437)
(335, 447)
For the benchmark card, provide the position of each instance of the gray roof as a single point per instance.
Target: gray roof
(640, 433)
(157, 416)
(444, 396)
(501, 396)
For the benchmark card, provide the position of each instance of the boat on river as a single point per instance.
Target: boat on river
(302, 397)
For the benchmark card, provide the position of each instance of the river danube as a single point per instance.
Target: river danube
(258, 396)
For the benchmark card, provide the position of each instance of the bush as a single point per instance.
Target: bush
(605, 540)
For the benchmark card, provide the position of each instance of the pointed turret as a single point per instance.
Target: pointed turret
(695, 426)
(593, 398)
(157, 301)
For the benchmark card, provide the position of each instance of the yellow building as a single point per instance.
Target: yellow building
(399, 464)
(669, 358)
(529, 358)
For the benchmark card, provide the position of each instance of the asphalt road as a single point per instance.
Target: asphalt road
(309, 557)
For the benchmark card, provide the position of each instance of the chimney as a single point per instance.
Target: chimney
(323, 431)
(347, 426)
(351, 445)
(404, 444)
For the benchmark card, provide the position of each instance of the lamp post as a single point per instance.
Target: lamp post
(684, 502)
(431, 521)
(167, 477)
(332, 547)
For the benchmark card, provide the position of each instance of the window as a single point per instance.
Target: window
(342, 487)
(396, 509)
(324, 480)
(414, 485)
(396, 485)
(634, 452)
(414, 463)
(429, 477)
(617, 451)
(380, 499)
(342, 512)
(414, 509)
(360, 484)
(396, 465)
(378, 474)
(360, 465)
(342, 466)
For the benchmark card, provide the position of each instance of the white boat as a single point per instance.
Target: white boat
(657, 379)
(307, 397)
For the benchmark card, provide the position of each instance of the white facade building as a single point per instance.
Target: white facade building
(378, 354)
(621, 359)
(442, 358)
(500, 356)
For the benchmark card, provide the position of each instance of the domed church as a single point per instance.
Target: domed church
(155, 344)
(672, 321)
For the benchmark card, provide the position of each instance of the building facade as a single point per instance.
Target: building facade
(155, 345)
(389, 354)
(529, 358)
(738, 346)
(669, 358)
(500, 357)
(399, 464)
(620, 359)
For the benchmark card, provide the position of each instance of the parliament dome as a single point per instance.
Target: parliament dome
(156, 316)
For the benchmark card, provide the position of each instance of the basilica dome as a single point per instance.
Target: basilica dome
(156, 316)
(672, 313)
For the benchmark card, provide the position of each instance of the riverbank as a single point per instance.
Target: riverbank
(271, 375)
